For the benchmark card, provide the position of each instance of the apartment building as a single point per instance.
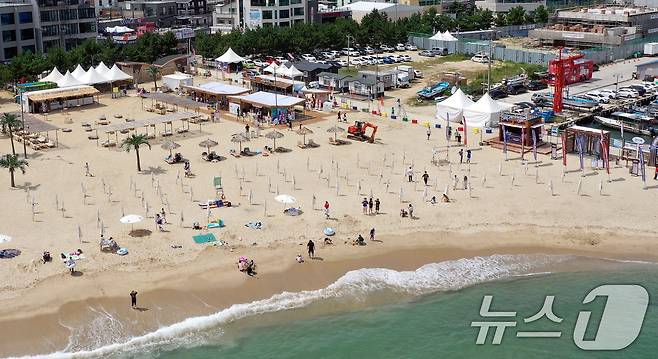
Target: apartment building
(17, 23)
(66, 23)
(256, 13)
(506, 5)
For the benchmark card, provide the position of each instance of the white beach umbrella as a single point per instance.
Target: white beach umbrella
(285, 199)
(131, 219)
(4, 238)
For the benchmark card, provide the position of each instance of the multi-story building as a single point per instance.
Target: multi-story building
(65, 23)
(168, 13)
(255, 13)
(17, 23)
(603, 26)
(505, 5)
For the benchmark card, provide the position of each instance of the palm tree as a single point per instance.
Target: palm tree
(13, 163)
(134, 141)
(154, 71)
(10, 122)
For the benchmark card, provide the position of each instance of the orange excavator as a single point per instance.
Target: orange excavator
(358, 131)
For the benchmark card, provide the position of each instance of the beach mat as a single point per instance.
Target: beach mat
(204, 238)
(9, 253)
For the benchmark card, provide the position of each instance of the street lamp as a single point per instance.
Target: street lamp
(348, 49)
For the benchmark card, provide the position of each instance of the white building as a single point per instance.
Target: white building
(256, 13)
(392, 10)
(505, 5)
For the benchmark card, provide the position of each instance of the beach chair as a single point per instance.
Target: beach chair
(217, 182)
(301, 145)
(332, 141)
(311, 143)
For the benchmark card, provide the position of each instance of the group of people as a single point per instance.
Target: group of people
(408, 212)
(461, 156)
(247, 266)
(368, 205)
(342, 116)
(160, 219)
(455, 182)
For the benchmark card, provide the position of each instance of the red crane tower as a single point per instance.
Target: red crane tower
(558, 83)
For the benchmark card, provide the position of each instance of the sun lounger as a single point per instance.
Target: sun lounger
(310, 143)
(334, 142)
(234, 153)
(204, 238)
(166, 133)
(248, 152)
(282, 150)
(108, 143)
(181, 130)
(301, 145)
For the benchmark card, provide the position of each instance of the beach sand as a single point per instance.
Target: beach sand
(41, 305)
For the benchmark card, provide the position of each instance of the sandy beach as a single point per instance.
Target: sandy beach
(509, 210)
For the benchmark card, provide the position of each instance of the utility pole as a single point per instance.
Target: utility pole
(348, 51)
(617, 82)
(24, 128)
(489, 72)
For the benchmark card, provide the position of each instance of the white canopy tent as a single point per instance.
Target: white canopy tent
(53, 76)
(177, 80)
(453, 107)
(118, 30)
(230, 57)
(292, 72)
(68, 80)
(91, 77)
(272, 68)
(115, 74)
(438, 36)
(102, 69)
(485, 112)
(447, 36)
(78, 72)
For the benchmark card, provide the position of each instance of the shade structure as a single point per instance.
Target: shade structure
(115, 74)
(208, 143)
(169, 145)
(485, 112)
(447, 36)
(91, 77)
(230, 57)
(335, 130)
(53, 76)
(304, 131)
(285, 199)
(78, 72)
(68, 80)
(438, 36)
(102, 69)
(239, 138)
(281, 70)
(131, 219)
(118, 30)
(453, 107)
(274, 134)
(271, 68)
(268, 99)
(4, 238)
(292, 72)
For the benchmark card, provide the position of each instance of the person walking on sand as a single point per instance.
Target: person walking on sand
(246, 130)
(426, 177)
(465, 182)
(339, 116)
(311, 248)
(411, 211)
(162, 215)
(87, 170)
(429, 133)
(461, 155)
(468, 156)
(364, 204)
(410, 174)
(377, 203)
(158, 222)
(372, 234)
(455, 182)
(133, 299)
(326, 209)
(370, 205)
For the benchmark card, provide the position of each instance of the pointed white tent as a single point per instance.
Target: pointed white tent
(102, 69)
(115, 74)
(447, 36)
(78, 72)
(230, 57)
(91, 77)
(292, 72)
(438, 36)
(281, 70)
(485, 112)
(53, 76)
(68, 80)
(272, 68)
(453, 107)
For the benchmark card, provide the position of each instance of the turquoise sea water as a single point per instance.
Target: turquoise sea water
(427, 313)
(438, 325)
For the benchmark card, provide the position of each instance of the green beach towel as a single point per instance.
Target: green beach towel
(204, 238)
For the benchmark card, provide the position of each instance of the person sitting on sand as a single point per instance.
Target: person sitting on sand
(46, 257)
(327, 241)
(359, 241)
(403, 212)
(433, 200)
(445, 198)
(299, 258)
(251, 268)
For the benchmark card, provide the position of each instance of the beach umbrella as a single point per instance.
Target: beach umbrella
(273, 135)
(208, 143)
(239, 138)
(169, 145)
(286, 199)
(335, 130)
(304, 131)
(4, 238)
(131, 219)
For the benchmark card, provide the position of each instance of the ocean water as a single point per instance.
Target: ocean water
(427, 313)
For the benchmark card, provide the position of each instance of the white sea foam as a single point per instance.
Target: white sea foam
(443, 276)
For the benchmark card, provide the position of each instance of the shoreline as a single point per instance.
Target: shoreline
(173, 294)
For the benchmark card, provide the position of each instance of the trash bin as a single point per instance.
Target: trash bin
(635, 168)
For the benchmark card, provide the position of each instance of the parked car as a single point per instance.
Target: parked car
(411, 47)
(627, 93)
(388, 60)
(341, 63)
(481, 58)
(369, 50)
(427, 53)
(595, 97)
(541, 98)
(641, 90)
(400, 47)
(309, 57)
(418, 74)
(525, 104)
(259, 63)
(600, 94)
(439, 51)
(515, 89)
(396, 58)
(327, 55)
(356, 62)
(386, 48)
(497, 94)
(350, 51)
(609, 92)
(535, 85)
(405, 57)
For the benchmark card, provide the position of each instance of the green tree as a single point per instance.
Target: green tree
(13, 163)
(540, 15)
(154, 71)
(516, 16)
(501, 19)
(134, 141)
(10, 122)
